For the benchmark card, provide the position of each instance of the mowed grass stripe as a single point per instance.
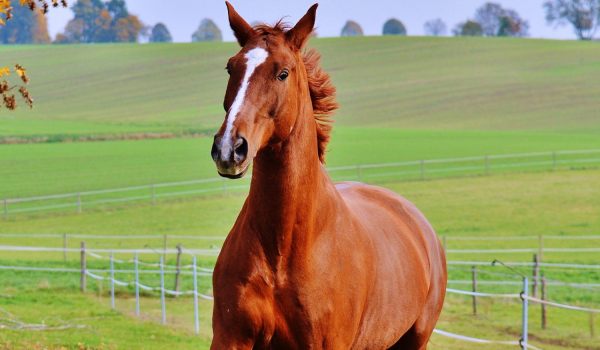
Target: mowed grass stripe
(561, 202)
(39, 169)
(415, 82)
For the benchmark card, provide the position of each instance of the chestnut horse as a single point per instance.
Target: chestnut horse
(309, 264)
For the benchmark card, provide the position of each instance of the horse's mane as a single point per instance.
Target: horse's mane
(322, 90)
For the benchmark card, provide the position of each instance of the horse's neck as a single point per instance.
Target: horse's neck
(289, 191)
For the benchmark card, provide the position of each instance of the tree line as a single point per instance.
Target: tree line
(491, 19)
(98, 21)
(94, 21)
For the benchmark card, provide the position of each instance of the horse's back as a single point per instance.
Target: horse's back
(376, 206)
(410, 265)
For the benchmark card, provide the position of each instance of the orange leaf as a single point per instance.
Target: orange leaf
(20, 70)
(4, 71)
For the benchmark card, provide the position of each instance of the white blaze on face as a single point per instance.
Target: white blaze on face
(254, 58)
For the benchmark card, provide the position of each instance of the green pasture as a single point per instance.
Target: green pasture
(42, 169)
(506, 205)
(106, 329)
(411, 82)
(402, 99)
(514, 204)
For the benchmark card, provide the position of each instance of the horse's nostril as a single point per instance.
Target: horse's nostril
(214, 152)
(241, 149)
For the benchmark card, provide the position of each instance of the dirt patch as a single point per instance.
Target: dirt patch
(13, 140)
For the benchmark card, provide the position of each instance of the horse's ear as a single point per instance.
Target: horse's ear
(299, 35)
(241, 29)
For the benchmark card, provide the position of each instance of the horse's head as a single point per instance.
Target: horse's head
(267, 79)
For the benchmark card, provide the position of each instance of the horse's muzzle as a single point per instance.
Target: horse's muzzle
(230, 156)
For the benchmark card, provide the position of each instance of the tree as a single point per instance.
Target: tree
(498, 21)
(207, 31)
(73, 32)
(582, 15)
(95, 21)
(87, 15)
(488, 16)
(352, 28)
(25, 27)
(128, 29)
(435, 27)
(40, 33)
(511, 24)
(468, 28)
(160, 34)
(394, 27)
(117, 9)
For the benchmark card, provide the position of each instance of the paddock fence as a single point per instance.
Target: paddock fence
(418, 170)
(132, 267)
(127, 272)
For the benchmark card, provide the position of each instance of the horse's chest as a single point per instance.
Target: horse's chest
(294, 314)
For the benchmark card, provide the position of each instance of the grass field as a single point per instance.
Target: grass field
(415, 83)
(402, 99)
(38, 169)
(501, 205)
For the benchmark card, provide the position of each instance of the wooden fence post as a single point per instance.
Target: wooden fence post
(544, 296)
(83, 280)
(178, 269)
(474, 278)
(536, 274)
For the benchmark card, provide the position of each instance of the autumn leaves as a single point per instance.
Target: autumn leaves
(43, 5)
(6, 89)
(9, 99)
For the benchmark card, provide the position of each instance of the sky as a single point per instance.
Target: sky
(182, 17)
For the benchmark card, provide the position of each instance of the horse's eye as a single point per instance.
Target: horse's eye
(283, 75)
(228, 69)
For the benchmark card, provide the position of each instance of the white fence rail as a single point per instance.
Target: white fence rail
(109, 275)
(162, 269)
(412, 170)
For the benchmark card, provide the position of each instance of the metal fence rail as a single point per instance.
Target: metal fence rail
(398, 171)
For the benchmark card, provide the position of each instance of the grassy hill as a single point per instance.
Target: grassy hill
(401, 99)
(425, 83)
